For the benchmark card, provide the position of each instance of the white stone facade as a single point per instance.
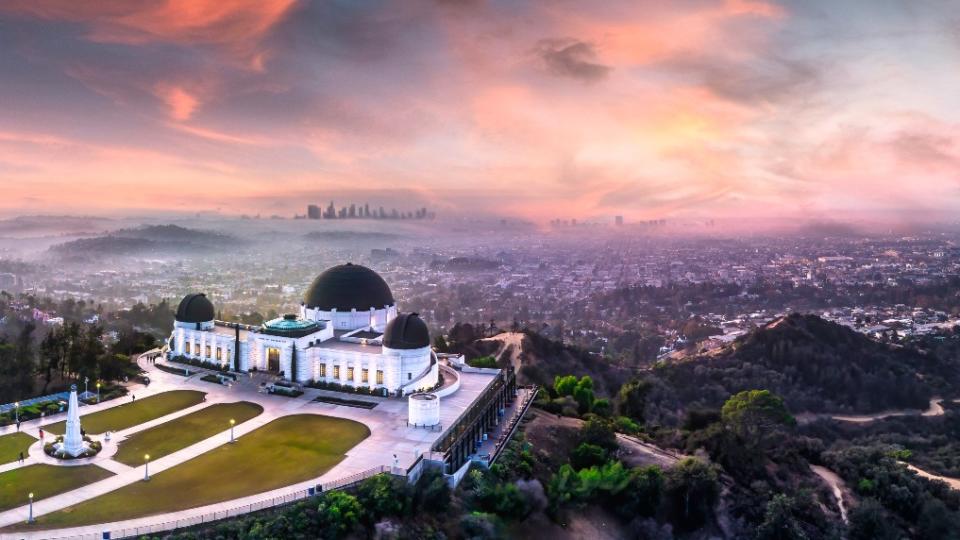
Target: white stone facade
(423, 410)
(320, 356)
(353, 319)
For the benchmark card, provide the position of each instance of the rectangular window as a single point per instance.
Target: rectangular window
(409, 376)
(219, 353)
(336, 372)
(187, 349)
(379, 376)
(349, 373)
(365, 375)
(207, 351)
(323, 370)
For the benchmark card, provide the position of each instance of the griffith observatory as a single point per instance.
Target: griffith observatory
(348, 331)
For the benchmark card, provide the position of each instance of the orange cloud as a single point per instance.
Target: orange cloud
(237, 25)
(180, 103)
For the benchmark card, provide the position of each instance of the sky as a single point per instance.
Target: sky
(688, 109)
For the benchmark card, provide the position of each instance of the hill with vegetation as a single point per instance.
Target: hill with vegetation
(538, 359)
(816, 365)
(151, 239)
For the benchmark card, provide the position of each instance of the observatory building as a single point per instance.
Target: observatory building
(348, 331)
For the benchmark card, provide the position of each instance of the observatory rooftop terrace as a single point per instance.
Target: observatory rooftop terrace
(391, 442)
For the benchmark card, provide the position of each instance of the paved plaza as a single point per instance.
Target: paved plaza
(391, 442)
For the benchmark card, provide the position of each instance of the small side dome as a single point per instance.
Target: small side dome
(195, 308)
(406, 331)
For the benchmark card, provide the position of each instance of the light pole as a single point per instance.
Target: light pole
(16, 407)
(232, 422)
(85, 389)
(30, 516)
(98, 391)
(146, 467)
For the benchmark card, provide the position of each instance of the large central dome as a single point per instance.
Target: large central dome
(348, 286)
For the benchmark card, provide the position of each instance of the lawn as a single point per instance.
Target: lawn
(11, 445)
(133, 413)
(182, 432)
(44, 481)
(288, 450)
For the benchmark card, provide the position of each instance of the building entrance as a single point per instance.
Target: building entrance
(273, 359)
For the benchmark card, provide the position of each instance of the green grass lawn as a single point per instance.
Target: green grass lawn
(44, 481)
(285, 451)
(182, 432)
(11, 445)
(133, 413)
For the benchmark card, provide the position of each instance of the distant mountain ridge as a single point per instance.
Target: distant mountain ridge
(152, 239)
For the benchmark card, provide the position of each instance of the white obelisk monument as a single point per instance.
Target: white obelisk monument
(72, 440)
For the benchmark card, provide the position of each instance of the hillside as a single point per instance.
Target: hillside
(816, 365)
(153, 239)
(538, 360)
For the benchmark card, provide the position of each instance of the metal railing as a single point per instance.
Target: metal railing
(514, 423)
(354, 479)
(455, 431)
(218, 515)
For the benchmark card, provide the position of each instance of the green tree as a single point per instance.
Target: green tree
(599, 432)
(870, 521)
(382, 496)
(779, 522)
(583, 394)
(564, 386)
(341, 512)
(633, 398)
(691, 489)
(754, 413)
(602, 407)
(587, 455)
(937, 521)
(642, 497)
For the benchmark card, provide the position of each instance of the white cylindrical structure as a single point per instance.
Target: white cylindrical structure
(424, 409)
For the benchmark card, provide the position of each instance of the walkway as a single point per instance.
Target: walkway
(390, 436)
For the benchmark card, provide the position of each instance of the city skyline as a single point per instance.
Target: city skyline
(687, 110)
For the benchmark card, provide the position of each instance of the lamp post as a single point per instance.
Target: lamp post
(30, 516)
(85, 389)
(232, 423)
(98, 391)
(16, 407)
(146, 467)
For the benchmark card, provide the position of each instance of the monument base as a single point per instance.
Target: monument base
(57, 449)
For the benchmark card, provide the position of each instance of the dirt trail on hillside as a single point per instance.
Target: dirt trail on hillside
(935, 409)
(952, 482)
(836, 485)
(511, 342)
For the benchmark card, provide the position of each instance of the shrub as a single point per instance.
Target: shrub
(341, 512)
(599, 432)
(587, 455)
(483, 362)
(383, 496)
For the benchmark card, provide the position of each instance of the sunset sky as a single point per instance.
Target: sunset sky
(681, 109)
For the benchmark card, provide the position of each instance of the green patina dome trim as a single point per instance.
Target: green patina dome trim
(290, 325)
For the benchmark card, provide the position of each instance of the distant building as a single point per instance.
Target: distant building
(313, 212)
(618, 220)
